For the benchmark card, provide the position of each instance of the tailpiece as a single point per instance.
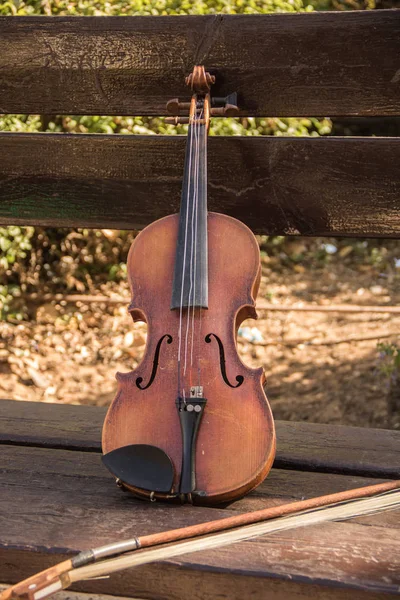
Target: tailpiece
(90, 563)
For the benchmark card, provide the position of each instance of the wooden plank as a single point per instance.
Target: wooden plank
(308, 186)
(177, 581)
(66, 501)
(287, 65)
(91, 478)
(49, 425)
(301, 446)
(69, 595)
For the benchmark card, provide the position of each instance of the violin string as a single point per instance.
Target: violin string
(196, 204)
(195, 190)
(194, 265)
(184, 261)
(201, 261)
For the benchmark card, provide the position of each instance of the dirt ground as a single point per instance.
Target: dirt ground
(318, 367)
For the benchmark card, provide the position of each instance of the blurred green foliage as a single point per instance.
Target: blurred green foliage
(379, 256)
(344, 4)
(390, 357)
(148, 7)
(15, 245)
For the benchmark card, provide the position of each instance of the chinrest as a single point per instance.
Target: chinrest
(141, 466)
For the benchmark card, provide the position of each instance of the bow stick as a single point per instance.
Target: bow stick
(91, 563)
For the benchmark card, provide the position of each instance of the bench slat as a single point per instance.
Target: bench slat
(308, 186)
(91, 478)
(69, 595)
(178, 581)
(282, 65)
(66, 502)
(301, 446)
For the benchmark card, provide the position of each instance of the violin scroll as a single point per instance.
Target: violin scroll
(200, 82)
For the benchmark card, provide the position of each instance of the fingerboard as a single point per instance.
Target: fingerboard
(190, 284)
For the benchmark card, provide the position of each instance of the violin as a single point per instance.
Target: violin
(192, 423)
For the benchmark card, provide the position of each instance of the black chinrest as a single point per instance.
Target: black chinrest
(142, 466)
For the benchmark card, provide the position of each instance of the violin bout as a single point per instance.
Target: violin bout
(192, 422)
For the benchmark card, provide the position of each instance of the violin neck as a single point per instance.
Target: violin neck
(190, 284)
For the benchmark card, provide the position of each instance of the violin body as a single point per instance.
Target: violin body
(233, 447)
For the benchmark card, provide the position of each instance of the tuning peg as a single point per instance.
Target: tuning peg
(174, 107)
(225, 107)
(229, 110)
(177, 120)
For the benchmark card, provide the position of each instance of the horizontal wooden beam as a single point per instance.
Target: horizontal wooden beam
(336, 449)
(277, 186)
(281, 65)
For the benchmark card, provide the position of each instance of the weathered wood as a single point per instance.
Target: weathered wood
(91, 477)
(300, 446)
(176, 582)
(51, 425)
(70, 595)
(285, 65)
(66, 501)
(323, 186)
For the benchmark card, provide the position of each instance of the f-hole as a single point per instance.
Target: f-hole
(239, 378)
(139, 380)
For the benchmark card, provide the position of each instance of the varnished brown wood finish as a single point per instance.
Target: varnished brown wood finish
(236, 441)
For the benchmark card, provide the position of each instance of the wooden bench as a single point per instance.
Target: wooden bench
(56, 498)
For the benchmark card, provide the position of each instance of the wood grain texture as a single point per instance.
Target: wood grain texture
(323, 186)
(69, 595)
(66, 501)
(91, 478)
(280, 65)
(300, 446)
(177, 581)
